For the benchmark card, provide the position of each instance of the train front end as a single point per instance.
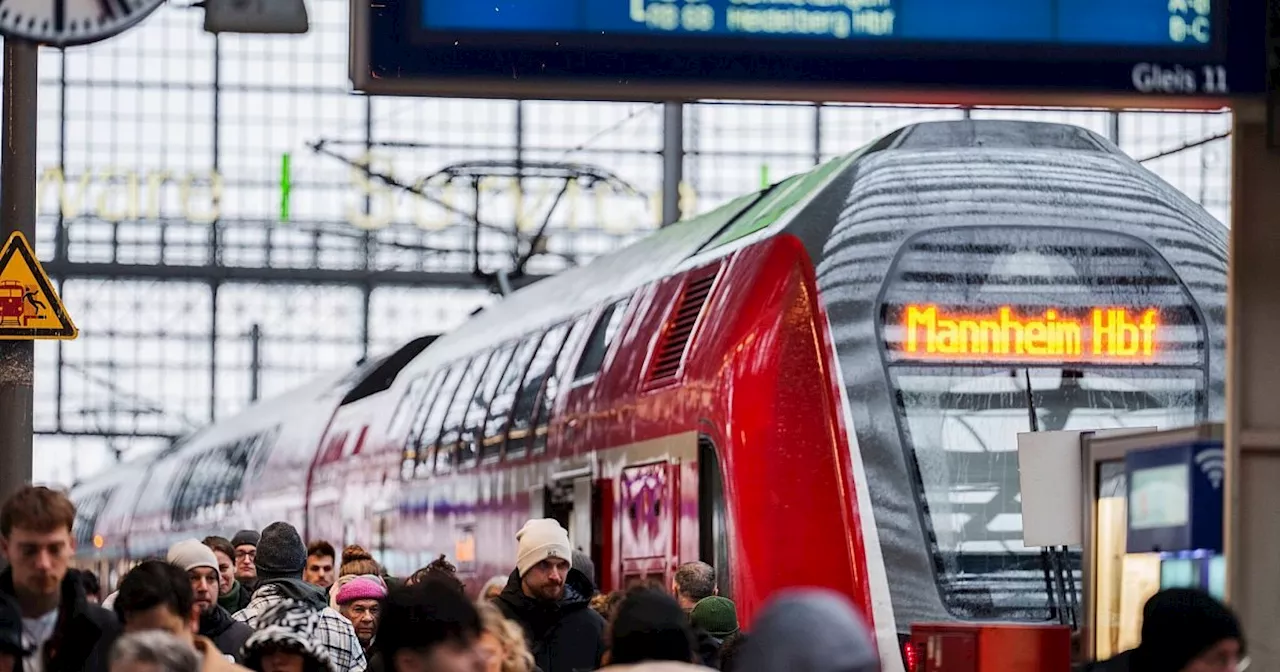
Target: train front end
(985, 279)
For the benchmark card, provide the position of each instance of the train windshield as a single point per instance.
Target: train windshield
(984, 328)
(961, 424)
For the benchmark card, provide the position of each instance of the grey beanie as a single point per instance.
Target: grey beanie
(245, 538)
(281, 553)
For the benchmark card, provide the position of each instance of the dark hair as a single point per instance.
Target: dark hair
(38, 509)
(423, 616)
(729, 651)
(321, 548)
(440, 570)
(151, 584)
(650, 625)
(221, 545)
(90, 582)
(696, 580)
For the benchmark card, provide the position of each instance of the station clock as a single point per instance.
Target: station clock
(64, 23)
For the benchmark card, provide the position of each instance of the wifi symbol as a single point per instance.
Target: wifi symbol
(1211, 463)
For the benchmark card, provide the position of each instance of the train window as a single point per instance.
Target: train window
(410, 405)
(451, 431)
(429, 431)
(495, 424)
(212, 479)
(961, 424)
(473, 424)
(598, 344)
(417, 413)
(713, 517)
(88, 508)
(523, 433)
(555, 381)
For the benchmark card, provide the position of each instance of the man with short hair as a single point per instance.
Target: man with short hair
(280, 560)
(157, 595)
(693, 582)
(35, 537)
(201, 566)
(245, 544)
(551, 600)
(320, 564)
(428, 627)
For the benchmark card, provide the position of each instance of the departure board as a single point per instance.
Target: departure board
(1175, 23)
(1181, 53)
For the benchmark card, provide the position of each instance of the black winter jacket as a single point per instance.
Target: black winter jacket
(228, 634)
(564, 636)
(84, 633)
(1122, 662)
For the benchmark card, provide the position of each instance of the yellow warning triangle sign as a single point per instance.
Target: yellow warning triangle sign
(29, 305)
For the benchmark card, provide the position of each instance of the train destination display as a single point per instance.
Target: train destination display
(1178, 23)
(1004, 333)
(1187, 53)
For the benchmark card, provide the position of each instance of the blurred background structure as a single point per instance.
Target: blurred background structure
(222, 230)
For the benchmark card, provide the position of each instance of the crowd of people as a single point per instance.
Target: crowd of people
(267, 602)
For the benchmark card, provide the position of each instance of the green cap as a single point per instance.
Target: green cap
(717, 615)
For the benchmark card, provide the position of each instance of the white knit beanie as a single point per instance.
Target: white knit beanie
(189, 554)
(541, 539)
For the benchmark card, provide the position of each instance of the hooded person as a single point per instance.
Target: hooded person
(809, 630)
(280, 560)
(552, 601)
(290, 628)
(1183, 630)
(201, 566)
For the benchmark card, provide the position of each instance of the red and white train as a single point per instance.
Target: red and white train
(816, 384)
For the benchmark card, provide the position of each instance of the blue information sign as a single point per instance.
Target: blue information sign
(1200, 51)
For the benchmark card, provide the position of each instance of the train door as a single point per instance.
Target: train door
(647, 523)
(573, 501)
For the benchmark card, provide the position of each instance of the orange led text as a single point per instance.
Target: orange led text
(1104, 333)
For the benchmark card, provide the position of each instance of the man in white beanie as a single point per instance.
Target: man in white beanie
(201, 566)
(551, 600)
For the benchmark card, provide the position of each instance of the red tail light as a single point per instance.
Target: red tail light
(910, 656)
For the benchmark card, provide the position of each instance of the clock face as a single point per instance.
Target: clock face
(70, 22)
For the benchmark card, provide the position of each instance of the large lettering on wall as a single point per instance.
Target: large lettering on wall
(116, 195)
(1003, 333)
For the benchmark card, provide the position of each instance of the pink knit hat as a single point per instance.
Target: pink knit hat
(361, 589)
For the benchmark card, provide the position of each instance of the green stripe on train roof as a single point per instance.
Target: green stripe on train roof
(783, 198)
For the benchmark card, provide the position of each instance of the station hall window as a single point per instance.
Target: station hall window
(601, 337)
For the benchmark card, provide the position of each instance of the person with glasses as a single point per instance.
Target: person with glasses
(1183, 630)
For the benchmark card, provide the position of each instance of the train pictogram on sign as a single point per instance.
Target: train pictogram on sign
(29, 305)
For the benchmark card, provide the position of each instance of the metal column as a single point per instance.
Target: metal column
(672, 161)
(17, 213)
(1253, 370)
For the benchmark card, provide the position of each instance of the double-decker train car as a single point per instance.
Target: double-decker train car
(817, 384)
